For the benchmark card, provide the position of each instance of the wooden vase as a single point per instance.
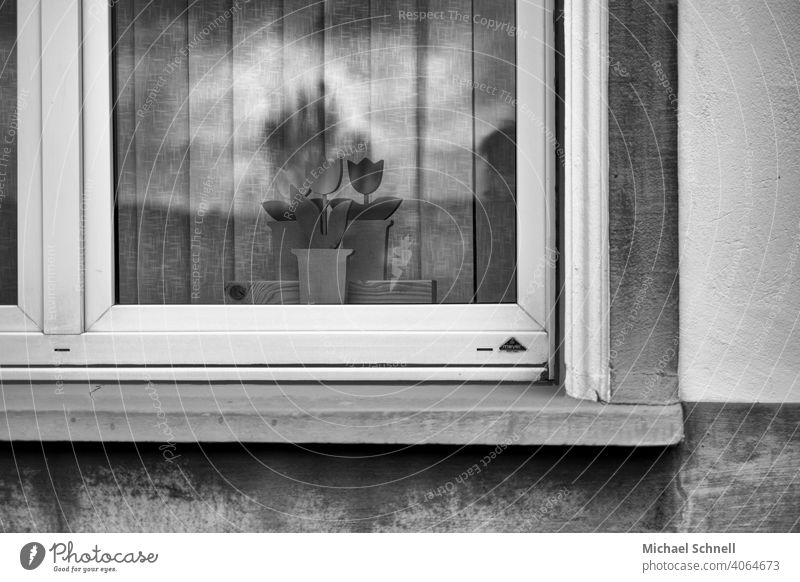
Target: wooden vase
(323, 275)
(286, 236)
(369, 240)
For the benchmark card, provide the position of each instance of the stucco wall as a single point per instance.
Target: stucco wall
(739, 171)
(715, 481)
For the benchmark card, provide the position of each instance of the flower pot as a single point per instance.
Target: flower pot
(369, 240)
(286, 235)
(323, 275)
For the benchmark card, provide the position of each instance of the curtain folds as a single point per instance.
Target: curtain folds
(8, 152)
(223, 104)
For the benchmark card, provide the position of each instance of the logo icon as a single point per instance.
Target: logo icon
(31, 555)
(512, 345)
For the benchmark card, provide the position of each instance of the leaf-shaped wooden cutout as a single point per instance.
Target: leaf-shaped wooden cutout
(278, 210)
(380, 209)
(337, 224)
(309, 218)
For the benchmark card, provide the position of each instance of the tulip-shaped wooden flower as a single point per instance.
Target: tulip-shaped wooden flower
(329, 180)
(366, 177)
(368, 230)
(327, 183)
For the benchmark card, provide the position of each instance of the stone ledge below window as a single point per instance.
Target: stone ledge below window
(513, 413)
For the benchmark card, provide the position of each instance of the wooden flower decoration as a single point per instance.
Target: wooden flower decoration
(282, 211)
(323, 224)
(365, 176)
(329, 180)
(380, 209)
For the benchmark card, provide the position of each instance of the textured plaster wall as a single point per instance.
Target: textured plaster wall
(736, 471)
(739, 166)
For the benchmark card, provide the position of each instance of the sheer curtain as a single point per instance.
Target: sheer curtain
(223, 104)
(8, 152)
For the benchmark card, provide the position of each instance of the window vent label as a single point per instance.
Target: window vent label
(512, 345)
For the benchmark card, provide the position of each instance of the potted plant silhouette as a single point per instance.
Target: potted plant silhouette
(322, 263)
(368, 229)
(310, 228)
(287, 234)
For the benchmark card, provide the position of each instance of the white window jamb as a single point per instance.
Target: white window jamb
(62, 155)
(586, 268)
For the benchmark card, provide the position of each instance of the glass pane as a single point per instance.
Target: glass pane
(8, 152)
(315, 152)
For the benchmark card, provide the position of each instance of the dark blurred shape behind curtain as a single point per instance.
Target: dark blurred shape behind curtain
(8, 152)
(221, 104)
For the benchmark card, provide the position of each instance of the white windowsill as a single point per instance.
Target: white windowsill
(515, 413)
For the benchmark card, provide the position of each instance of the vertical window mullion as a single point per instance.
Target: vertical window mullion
(61, 159)
(98, 164)
(29, 160)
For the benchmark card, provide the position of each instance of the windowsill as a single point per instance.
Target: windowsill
(522, 414)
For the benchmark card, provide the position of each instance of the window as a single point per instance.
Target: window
(92, 305)
(219, 107)
(258, 144)
(187, 116)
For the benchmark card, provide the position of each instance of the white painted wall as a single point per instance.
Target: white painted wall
(740, 200)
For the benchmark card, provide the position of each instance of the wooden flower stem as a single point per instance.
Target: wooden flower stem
(324, 215)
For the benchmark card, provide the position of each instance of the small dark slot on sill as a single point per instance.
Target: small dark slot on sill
(61, 349)
(485, 349)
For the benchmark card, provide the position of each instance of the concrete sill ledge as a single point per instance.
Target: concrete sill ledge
(522, 414)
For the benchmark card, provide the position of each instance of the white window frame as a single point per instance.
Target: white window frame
(86, 336)
(27, 314)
